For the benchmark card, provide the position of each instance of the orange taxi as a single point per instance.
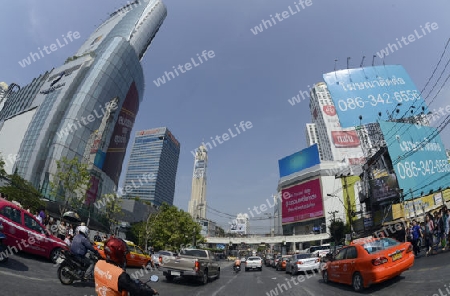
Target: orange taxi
(369, 261)
(136, 257)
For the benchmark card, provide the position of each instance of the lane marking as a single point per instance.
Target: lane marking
(226, 284)
(28, 277)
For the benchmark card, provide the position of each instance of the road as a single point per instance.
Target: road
(25, 275)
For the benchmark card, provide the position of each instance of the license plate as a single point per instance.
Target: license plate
(175, 273)
(397, 256)
(59, 260)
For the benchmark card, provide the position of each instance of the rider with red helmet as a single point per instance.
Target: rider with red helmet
(110, 277)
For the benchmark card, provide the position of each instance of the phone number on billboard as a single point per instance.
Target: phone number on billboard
(427, 167)
(374, 100)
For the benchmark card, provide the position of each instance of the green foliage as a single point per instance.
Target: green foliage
(113, 209)
(2, 167)
(70, 183)
(23, 192)
(170, 228)
(337, 230)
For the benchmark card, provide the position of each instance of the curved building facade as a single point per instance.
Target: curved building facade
(88, 106)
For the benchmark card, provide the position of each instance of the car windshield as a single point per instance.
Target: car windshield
(380, 245)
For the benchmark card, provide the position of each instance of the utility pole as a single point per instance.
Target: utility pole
(333, 228)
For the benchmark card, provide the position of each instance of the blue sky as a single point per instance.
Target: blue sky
(250, 78)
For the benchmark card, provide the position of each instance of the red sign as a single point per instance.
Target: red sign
(149, 132)
(345, 139)
(329, 110)
(302, 202)
(357, 161)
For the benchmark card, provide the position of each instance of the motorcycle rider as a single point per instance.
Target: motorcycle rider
(79, 247)
(109, 276)
(237, 263)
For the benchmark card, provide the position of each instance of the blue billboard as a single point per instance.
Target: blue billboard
(298, 161)
(375, 93)
(419, 161)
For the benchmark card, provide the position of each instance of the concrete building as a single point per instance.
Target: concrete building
(197, 204)
(312, 137)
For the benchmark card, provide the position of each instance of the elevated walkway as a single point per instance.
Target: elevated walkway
(267, 239)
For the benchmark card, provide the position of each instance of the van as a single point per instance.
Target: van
(25, 233)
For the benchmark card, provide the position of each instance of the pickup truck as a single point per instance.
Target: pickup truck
(196, 264)
(253, 262)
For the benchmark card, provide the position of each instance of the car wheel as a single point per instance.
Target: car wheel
(246, 269)
(54, 254)
(325, 277)
(293, 272)
(357, 283)
(205, 277)
(260, 269)
(169, 278)
(277, 269)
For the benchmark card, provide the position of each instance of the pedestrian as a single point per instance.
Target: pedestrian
(62, 230)
(429, 229)
(38, 217)
(416, 233)
(42, 214)
(70, 230)
(68, 240)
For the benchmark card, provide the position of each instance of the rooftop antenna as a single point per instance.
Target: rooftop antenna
(362, 62)
(373, 60)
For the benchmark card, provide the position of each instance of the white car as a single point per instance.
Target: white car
(303, 262)
(253, 262)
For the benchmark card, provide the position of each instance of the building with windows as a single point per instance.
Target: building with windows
(312, 138)
(197, 204)
(152, 167)
(90, 103)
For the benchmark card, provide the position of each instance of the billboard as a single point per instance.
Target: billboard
(384, 188)
(369, 91)
(301, 160)
(121, 134)
(302, 202)
(419, 160)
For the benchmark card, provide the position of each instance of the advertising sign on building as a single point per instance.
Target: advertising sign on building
(365, 95)
(119, 139)
(302, 202)
(418, 157)
(301, 160)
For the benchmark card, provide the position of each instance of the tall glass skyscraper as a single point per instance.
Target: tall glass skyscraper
(86, 108)
(152, 168)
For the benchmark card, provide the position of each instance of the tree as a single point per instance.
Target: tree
(337, 231)
(113, 210)
(70, 183)
(23, 192)
(2, 167)
(171, 228)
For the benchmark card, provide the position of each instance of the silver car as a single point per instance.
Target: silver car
(253, 262)
(303, 262)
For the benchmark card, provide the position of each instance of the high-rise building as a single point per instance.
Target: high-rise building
(152, 168)
(312, 138)
(88, 104)
(336, 143)
(197, 204)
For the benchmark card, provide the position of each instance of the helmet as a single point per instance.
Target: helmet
(116, 250)
(84, 230)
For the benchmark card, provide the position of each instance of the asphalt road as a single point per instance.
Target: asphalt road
(26, 275)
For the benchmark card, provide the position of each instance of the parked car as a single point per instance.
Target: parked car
(281, 264)
(243, 259)
(192, 263)
(136, 257)
(369, 261)
(25, 233)
(253, 262)
(303, 262)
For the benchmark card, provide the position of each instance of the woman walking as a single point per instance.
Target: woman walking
(429, 228)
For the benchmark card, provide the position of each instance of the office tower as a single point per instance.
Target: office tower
(336, 143)
(197, 204)
(88, 104)
(312, 138)
(152, 168)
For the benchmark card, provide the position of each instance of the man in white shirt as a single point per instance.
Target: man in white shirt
(39, 218)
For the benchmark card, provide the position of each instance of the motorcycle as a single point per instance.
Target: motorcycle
(237, 268)
(71, 268)
(3, 253)
(153, 278)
